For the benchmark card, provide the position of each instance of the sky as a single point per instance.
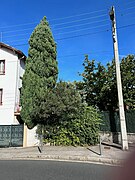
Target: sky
(79, 27)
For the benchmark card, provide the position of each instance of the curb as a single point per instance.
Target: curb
(85, 159)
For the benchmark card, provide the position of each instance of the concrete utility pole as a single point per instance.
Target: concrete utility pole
(119, 84)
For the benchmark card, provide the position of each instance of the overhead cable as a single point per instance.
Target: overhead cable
(83, 29)
(77, 15)
(83, 24)
(79, 20)
(81, 35)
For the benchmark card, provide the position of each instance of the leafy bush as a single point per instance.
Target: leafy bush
(87, 127)
(80, 131)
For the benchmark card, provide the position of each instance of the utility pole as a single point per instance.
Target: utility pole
(119, 84)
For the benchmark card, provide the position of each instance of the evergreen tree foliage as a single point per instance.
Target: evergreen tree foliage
(40, 74)
(62, 104)
(70, 102)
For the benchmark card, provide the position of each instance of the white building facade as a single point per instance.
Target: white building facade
(12, 65)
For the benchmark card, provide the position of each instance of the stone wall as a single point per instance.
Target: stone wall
(116, 137)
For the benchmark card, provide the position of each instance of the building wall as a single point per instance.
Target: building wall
(19, 75)
(8, 84)
(30, 137)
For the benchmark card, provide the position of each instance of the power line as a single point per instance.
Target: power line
(129, 8)
(79, 20)
(91, 52)
(17, 35)
(127, 3)
(126, 9)
(129, 25)
(77, 25)
(95, 52)
(17, 30)
(77, 15)
(129, 13)
(56, 24)
(83, 24)
(66, 38)
(17, 25)
(81, 35)
(67, 17)
(25, 44)
(17, 40)
(95, 32)
(67, 32)
(82, 29)
(71, 37)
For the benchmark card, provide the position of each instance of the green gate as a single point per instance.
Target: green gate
(11, 135)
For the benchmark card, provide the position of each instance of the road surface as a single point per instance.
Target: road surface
(52, 170)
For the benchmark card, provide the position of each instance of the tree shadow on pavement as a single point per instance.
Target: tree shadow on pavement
(114, 145)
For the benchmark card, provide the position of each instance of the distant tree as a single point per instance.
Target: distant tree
(40, 75)
(127, 68)
(128, 80)
(109, 95)
(100, 87)
(94, 78)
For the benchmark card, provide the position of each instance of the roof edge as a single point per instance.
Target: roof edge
(20, 53)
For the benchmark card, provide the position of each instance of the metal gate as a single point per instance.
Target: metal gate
(11, 135)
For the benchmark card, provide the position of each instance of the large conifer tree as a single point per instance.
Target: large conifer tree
(40, 74)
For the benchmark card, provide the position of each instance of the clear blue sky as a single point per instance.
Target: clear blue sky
(79, 27)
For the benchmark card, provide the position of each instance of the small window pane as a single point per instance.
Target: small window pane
(2, 66)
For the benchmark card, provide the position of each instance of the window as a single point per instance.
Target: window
(2, 66)
(1, 92)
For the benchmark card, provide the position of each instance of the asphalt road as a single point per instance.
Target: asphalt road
(52, 170)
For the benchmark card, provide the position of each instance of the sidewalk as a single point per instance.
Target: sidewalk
(110, 155)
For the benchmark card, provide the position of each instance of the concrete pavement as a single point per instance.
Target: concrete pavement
(110, 155)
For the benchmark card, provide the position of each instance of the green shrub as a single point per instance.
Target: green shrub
(87, 127)
(79, 131)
